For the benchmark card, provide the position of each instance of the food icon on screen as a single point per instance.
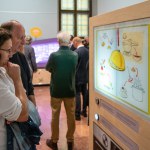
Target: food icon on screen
(132, 45)
(106, 40)
(123, 92)
(137, 89)
(117, 61)
(103, 44)
(105, 75)
(108, 47)
(135, 83)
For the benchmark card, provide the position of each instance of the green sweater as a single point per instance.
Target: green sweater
(62, 65)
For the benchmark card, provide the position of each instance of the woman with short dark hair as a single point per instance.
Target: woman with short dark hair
(13, 99)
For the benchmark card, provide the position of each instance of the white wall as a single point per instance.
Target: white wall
(94, 7)
(44, 13)
(31, 13)
(105, 6)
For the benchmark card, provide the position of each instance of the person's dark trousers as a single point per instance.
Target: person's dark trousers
(33, 147)
(10, 136)
(87, 104)
(87, 97)
(81, 88)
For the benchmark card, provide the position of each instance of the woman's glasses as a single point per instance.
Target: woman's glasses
(7, 50)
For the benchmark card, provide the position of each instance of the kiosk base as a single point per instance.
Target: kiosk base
(101, 141)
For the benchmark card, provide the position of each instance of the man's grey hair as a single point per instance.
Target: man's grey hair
(63, 38)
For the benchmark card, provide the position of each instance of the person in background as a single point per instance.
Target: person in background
(13, 99)
(30, 54)
(62, 65)
(21, 49)
(81, 77)
(86, 42)
(71, 43)
(87, 95)
(18, 39)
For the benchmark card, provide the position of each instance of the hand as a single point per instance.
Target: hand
(13, 71)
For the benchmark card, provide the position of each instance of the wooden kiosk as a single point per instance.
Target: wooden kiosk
(120, 79)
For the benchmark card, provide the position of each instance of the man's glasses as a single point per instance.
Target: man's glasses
(7, 50)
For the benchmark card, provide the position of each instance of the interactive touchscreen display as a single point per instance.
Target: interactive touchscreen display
(121, 64)
(43, 49)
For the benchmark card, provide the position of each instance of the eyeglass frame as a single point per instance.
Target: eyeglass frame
(7, 50)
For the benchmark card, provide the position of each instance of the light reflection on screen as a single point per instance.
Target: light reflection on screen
(43, 49)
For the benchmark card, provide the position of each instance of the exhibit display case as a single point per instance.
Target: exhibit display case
(119, 79)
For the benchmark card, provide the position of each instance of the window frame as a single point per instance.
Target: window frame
(75, 12)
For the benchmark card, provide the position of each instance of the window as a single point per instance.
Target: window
(74, 16)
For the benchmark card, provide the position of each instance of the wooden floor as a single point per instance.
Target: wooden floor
(81, 141)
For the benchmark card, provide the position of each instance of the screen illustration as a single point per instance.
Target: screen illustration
(121, 63)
